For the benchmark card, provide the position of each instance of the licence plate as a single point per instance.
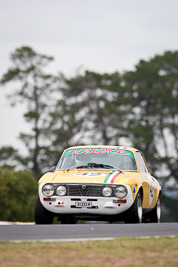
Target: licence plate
(83, 204)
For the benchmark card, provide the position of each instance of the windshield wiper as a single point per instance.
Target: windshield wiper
(77, 167)
(93, 164)
(111, 167)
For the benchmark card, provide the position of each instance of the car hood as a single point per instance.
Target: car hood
(89, 176)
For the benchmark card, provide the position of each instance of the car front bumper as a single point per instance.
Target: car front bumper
(97, 205)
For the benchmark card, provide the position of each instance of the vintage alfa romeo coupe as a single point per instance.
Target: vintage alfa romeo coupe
(99, 183)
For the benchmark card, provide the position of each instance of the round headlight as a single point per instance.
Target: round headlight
(107, 191)
(121, 191)
(61, 190)
(48, 190)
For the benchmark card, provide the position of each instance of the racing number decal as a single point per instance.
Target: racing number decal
(89, 174)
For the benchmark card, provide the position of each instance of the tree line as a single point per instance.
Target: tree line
(136, 108)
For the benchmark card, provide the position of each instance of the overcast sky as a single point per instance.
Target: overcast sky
(98, 35)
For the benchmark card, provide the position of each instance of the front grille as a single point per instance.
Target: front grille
(85, 190)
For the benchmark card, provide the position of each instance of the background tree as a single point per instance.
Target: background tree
(17, 195)
(32, 86)
(87, 111)
(8, 157)
(88, 97)
(153, 126)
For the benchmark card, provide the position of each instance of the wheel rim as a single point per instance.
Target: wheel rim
(139, 207)
(158, 209)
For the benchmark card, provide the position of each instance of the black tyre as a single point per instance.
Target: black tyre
(154, 216)
(42, 216)
(135, 213)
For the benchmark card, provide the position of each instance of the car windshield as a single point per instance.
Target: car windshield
(97, 158)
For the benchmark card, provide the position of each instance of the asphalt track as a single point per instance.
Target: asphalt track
(79, 232)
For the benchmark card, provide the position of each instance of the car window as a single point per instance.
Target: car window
(145, 163)
(141, 162)
(116, 157)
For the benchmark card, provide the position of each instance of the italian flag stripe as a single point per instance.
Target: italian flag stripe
(107, 177)
(114, 178)
(110, 178)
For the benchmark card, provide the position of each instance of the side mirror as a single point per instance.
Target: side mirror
(52, 169)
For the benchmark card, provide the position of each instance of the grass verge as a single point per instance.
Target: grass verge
(162, 251)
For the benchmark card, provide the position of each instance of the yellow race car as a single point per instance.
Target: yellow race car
(99, 183)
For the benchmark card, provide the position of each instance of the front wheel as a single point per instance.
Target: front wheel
(42, 216)
(135, 213)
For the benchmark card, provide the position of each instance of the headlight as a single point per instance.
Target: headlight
(61, 190)
(48, 190)
(107, 191)
(121, 191)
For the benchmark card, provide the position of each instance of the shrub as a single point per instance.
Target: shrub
(17, 195)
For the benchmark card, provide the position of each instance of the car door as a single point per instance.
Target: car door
(148, 181)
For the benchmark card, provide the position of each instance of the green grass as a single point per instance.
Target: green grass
(162, 251)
